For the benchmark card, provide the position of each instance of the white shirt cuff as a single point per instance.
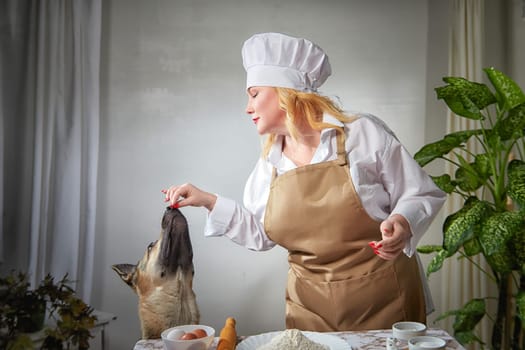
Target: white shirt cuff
(219, 219)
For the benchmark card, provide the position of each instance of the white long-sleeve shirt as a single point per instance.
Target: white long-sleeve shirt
(386, 177)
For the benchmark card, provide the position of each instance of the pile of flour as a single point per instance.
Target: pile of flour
(292, 339)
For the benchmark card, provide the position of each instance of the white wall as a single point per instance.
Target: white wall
(173, 111)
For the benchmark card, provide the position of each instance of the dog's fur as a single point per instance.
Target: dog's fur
(163, 279)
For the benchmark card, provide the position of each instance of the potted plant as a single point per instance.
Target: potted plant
(24, 310)
(492, 185)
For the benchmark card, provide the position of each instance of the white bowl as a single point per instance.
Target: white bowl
(426, 343)
(407, 330)
(193, 344)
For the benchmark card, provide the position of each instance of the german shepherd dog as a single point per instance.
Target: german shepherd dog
(163, 278)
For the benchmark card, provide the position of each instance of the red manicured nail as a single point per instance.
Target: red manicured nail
(372, 244)
(376, 252)
(163, 191)
(176, 205)
(379, 246)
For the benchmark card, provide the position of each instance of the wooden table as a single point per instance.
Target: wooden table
(367, 340)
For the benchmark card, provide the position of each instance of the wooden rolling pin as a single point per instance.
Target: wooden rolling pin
(228, 335)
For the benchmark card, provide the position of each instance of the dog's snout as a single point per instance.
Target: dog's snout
(176, 249)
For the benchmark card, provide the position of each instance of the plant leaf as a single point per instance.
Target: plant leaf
(467, 337)
(481, 165)
(459, 226)
(472, 247)
(512, 126)
(467, 181)
(469, 316)
(458, 103)
(444, 183)
(517, 247)
(497, 239)
(437, 262)
(466, 320)
(465, 98)
(497, 230)
(509, 94)
(439, 148)
(427, 249)
(516, 177)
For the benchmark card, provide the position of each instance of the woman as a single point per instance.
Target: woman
(328, 188)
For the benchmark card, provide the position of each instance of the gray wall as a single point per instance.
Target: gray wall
(173, 111)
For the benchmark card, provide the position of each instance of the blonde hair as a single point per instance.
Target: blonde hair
(305, 107)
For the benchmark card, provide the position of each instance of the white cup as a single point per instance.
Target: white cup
(426, 343)
(407, 330)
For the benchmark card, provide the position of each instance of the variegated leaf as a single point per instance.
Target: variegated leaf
(459, 227)
(509, 93)
(496, 237)
(513, 125)
(472, 247)
(427, 249)
(437, 262)
(516, 177)
(444, 183)
(469, 316)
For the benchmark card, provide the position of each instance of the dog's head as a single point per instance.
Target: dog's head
(163, 257)
(163, 278)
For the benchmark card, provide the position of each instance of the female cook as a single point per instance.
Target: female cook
(339, 192)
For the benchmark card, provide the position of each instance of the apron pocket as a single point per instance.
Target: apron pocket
(373, 301)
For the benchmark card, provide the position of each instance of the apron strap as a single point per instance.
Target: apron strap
(341, 151)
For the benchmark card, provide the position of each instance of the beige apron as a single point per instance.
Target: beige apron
(335, 281)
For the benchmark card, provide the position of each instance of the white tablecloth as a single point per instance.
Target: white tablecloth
(368, 340)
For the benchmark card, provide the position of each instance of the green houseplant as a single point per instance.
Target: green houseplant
(492, 185)
(23, 310)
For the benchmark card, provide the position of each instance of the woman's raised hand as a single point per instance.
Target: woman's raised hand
(189, 195)
(396, 233)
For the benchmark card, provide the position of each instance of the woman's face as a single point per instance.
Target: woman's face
(263, 107)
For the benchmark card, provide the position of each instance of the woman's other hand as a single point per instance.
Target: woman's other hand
(396, 233)
(189, 195)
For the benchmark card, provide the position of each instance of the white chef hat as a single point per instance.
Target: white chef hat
(274, 59)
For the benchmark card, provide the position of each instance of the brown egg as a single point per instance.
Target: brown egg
(188, 336)
(199, 332)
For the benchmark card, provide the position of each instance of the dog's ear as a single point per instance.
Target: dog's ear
(126, 273)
